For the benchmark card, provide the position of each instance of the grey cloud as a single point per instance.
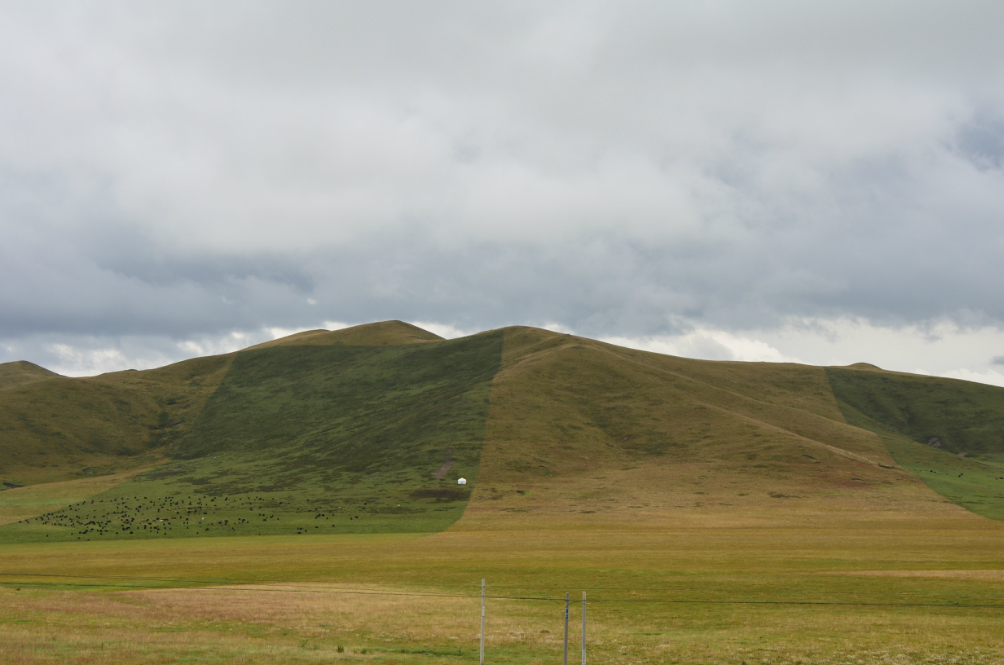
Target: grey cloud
(183, 169)
(136, 257)
(982, 141)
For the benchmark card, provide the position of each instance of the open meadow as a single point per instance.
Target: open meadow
(715, 587)
(308, 508)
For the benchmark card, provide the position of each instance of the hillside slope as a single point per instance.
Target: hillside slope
(384, 333)
(368, 428)
(949, 433)
(21, 372)
(61, 428)
(55, 428)
(356, 438)
(583, 430)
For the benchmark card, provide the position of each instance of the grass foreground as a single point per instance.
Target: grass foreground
(817, 590)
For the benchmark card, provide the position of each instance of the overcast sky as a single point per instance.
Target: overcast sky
(811, 181)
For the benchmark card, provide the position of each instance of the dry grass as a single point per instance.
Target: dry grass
(987, 575)
(581, 432)
(383, 333)
(411, 601)
(258, 623)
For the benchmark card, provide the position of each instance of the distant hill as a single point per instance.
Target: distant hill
(61, 428)
(21, 372)
(587, 429)
(385, 333)
(368, 429)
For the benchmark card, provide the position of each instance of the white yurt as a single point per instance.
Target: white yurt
(461, 481)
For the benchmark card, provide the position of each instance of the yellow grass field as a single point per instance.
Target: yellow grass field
(714, 587)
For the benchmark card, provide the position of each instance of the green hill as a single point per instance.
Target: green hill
(335, 435)
(950, 433)
(62, 428)
(367, 429)
(385, 333)
(21, 372)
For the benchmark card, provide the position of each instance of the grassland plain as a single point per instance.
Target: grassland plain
(708, 593)
(697, 503)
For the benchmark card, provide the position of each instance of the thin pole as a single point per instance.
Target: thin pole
(482, 621)
(564, 660)
(583, 628)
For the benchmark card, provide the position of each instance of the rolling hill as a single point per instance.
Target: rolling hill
(367, 429)
(21, 372)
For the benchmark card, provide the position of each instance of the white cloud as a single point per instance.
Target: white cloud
(85, 362)
(221, 344)
(276, 333)
(86, 355)
(943, 349)
(557, 327)
(445, 330)
(706, 344)
(992, 377)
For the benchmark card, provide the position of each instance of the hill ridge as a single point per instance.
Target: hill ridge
(358, 424)
(21, 372)
(381, 333)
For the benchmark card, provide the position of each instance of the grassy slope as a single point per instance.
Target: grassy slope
(53, 428)
(347, 436)
(62, 428)
(580, 431)
(384, 333)
(34, 500)
(907, 411)
(334, 438)
(21, 372)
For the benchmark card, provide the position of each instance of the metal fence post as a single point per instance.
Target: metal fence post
(564, 660)
(482, 621)
(583, 628)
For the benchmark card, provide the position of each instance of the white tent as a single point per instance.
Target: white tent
(461, 481)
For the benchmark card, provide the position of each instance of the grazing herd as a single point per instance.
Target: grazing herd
(185, 516)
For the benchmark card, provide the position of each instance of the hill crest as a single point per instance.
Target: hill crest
(383, 333)
(21, 372)
(379, 420)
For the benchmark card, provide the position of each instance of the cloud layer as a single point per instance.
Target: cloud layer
(183, 172)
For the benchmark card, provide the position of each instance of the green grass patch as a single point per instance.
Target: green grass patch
(964, 417)
(949, 433)
(302, 440)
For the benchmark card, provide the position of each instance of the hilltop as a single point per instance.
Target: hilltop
(368, 428)
(580, 430)
(385, 333)
(21, 372)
